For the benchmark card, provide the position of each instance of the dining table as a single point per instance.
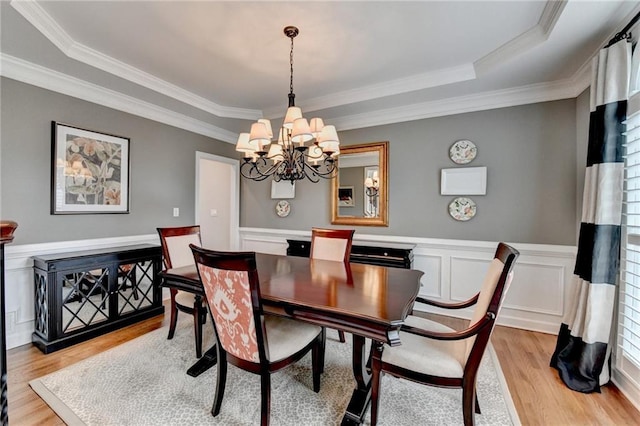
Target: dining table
(368, 301)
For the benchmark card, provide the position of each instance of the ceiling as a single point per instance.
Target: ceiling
(212, 67)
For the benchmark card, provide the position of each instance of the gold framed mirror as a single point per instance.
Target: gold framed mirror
(359, 193)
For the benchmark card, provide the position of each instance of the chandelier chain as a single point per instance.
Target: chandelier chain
(291, 68)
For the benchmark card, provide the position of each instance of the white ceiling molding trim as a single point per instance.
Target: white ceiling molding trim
(525, 41)
(543, 92)
(27, 72)
(409, 84)
(44, 23)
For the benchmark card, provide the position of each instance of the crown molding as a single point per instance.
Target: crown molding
(538, 34)
(535, 93)
(27, 72)
(409, 84)
(44, 23)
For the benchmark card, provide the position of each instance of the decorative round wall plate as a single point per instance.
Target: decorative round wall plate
(462, 209)
(463, 151)
(283, 208)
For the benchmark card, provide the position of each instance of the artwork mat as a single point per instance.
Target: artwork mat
(61, 135)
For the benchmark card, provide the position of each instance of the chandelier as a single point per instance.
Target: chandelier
(289, 159)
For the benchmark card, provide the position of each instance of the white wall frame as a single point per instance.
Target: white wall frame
(463, 181)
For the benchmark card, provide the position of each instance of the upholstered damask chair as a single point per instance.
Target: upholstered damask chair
(258, 343)
(434, 354)
(175, 254)
(332, 244)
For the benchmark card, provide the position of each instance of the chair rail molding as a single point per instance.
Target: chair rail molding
(453, 271)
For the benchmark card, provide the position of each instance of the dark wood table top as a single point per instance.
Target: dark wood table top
(368, 300)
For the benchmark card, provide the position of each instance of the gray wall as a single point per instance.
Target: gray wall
(162, 167)
(530, 154)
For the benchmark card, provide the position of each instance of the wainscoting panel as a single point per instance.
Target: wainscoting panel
(454, 270)
(431, 284)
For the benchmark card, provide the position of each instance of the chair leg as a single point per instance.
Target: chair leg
(221, 382)
(468, 402)
(265, 405)
(197, 324)
(316, 359)
(322, 350)
(341, 336)
(174, 314)
(376, 367)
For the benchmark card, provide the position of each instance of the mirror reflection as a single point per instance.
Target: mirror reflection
(359, 192)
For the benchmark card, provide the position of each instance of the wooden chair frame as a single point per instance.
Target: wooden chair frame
(246, 261)
(342, 234)
(199, 309)
(481, 330)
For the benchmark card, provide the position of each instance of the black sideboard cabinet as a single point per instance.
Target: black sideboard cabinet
(394, 256)
(81, 295)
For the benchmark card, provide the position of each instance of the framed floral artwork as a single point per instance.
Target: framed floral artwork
(89, 171)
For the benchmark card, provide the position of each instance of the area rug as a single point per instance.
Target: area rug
(144, 382)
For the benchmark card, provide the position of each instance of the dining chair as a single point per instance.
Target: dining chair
(245, 336)
(332, 244)
(434, 354)
(176, 253)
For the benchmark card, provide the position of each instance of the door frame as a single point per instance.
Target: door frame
(234, 201)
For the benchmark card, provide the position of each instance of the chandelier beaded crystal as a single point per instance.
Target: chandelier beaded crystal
(288, 158)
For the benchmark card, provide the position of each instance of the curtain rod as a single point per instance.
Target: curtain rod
(623, 34)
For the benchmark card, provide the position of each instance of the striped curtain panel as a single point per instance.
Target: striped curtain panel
(585, 338)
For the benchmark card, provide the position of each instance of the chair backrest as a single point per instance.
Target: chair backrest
(494, 288)
(232, 289)
(175, 245)
(331, 244)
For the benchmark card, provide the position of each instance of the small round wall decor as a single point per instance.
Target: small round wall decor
(463, 151)
(283, 208)
(462, 209)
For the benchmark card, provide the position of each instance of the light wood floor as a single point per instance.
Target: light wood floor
(538, 394)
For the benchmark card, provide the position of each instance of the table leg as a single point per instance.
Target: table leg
(208, 360)
(361, 396)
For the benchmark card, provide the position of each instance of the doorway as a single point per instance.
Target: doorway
(218, 201)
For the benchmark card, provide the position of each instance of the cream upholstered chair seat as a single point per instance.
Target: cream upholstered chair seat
(434, 354)
(286, 337)
(184, 298)
(427, 356)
